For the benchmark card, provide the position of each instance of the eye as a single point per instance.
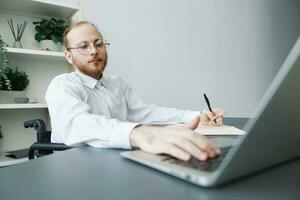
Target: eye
(83, 47)
(98, 44)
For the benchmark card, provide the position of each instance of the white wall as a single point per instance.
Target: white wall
(172, 51)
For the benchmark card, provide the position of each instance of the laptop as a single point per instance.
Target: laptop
(272, 136)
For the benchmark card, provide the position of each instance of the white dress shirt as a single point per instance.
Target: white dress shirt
(101, 113)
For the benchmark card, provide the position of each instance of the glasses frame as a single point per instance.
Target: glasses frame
(104, 41)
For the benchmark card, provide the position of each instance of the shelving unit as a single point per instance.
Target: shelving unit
(32, 54)
(50, 8)
(41, 66)
(23, 106)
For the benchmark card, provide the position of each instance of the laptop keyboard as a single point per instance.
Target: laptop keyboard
(208, 165)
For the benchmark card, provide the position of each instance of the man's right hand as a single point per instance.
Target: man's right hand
(176, 140)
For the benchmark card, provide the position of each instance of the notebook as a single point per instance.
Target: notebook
(219, 130)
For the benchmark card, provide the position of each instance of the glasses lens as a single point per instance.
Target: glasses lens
(84, 50)
(98, 45)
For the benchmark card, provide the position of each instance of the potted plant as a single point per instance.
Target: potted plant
(4, 64)
(49, 33)
(13, 82)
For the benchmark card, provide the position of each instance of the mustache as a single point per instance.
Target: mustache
(97, 58)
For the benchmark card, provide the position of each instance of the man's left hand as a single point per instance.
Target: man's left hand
(212, 118)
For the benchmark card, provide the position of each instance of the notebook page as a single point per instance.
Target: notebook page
(219, 130)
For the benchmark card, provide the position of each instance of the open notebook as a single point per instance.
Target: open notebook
(219, 130)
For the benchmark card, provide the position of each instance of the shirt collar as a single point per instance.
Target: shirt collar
(90, 81)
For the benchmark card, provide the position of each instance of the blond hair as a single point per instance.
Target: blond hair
(66, 42)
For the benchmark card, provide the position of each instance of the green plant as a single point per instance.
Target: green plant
(11, 78)
(4, 64)
(18, 79)
(50, 29)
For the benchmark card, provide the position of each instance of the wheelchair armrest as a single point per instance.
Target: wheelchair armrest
(44, 146)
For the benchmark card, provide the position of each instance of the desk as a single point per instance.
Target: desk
(90, 173)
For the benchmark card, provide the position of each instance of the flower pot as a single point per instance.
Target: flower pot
(7, 96)
(49, 45)
(18, 44)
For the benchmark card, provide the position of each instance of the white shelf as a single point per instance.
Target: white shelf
(23, 106)
(49, 8)
(30, 53)
(6, 161)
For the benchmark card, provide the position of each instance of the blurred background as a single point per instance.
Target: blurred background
(173, 51)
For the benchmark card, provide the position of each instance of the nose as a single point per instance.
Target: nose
(93, 50)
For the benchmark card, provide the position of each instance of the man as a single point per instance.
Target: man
(88, 107)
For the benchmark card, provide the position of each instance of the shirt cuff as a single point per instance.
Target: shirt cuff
(121, 133)
(119, 137)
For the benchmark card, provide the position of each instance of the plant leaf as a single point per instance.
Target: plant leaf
(55, 38)
(39, 36)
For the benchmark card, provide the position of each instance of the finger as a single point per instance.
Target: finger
(209, 114)
(211, 123)
(209, 147)
(189, 147)
(170, 149)
(194, 123)
(219, 121)
(218, 112)
(200, 141)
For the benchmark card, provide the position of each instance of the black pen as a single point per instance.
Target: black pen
(208, 104)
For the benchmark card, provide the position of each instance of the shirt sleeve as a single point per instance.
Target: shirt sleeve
(140, 111)
(74, 124)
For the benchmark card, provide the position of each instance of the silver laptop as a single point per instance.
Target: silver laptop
(273, 136)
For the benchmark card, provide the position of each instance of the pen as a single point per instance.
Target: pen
(208, 105)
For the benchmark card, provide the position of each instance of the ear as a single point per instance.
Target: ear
(69, 57)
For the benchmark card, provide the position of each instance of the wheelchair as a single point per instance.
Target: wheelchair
(43, 146)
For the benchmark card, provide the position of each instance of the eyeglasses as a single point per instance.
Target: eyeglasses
(86, 48)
